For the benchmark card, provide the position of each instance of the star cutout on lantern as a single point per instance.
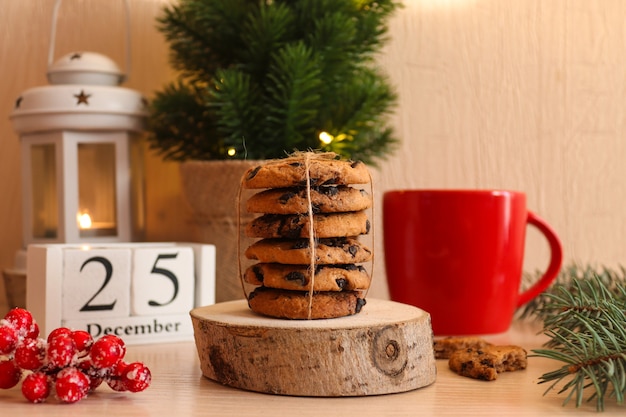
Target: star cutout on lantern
(18, 102)
(76, 55)
(82, 98)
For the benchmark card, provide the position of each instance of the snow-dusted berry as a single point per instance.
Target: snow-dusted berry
(23, 322)
(10, 374)
(61, 351)
(36, 387)
(83, 341)
(71, 385)
(30, 354)
(8, 340)
(107, 351)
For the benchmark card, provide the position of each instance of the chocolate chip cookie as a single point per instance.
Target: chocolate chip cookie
(446, 346)
(487, 362)
(328, 199)
(291, 172)
(298, 277)
(296, 226)
(295, 304)
(339, 250)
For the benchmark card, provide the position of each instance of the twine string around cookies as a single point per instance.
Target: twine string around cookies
(312, 245)
(372, 234)
(239, 269)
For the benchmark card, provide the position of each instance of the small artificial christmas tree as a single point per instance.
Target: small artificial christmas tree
(262, 78)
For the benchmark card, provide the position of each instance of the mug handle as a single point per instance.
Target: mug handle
(556, 258)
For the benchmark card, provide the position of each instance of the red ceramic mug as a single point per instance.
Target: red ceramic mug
(458, 254)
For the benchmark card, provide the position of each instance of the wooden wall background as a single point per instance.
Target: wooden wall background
(528, 95)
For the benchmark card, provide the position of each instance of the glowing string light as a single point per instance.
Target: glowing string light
(326, 138)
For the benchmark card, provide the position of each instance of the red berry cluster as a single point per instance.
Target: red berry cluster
(68, 361)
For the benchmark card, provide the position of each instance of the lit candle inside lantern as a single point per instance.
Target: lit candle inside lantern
(84, 220)
(89, 226)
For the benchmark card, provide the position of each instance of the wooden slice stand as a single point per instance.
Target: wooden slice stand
(386, 348)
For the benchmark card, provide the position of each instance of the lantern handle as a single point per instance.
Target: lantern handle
(53, 30)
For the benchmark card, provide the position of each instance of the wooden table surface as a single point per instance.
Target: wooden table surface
(179, 389)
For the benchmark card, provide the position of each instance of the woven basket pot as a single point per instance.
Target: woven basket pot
(212, 191)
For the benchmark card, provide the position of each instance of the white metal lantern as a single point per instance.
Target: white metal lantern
(77, 143)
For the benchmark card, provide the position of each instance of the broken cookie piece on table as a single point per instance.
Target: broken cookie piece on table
(476, 358)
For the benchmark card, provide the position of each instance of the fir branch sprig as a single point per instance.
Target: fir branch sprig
(539, 307)
(585, 320)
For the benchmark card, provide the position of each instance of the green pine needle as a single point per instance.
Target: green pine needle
(584, 315)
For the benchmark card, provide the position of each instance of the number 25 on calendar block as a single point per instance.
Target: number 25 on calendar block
(139, 291)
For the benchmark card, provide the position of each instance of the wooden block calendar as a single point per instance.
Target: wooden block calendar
(142, 292)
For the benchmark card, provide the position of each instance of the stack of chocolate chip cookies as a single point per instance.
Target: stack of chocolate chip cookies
(293, 279)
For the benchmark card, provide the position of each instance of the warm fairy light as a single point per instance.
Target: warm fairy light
(326, 138)
(84, 220)
(231, 151)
